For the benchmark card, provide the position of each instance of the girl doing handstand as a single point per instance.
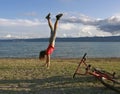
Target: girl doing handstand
(47, 52)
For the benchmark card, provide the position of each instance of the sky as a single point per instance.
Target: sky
(81, 18)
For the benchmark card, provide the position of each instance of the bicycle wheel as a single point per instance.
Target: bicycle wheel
(113, 84)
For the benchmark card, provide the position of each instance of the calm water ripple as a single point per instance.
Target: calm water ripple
(62, 49)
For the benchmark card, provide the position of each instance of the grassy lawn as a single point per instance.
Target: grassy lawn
(28, 76)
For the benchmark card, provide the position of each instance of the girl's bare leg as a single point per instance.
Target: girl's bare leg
(49, 21)
(50, 24)
(55, 28)
(56, 22)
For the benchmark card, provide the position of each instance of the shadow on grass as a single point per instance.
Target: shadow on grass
(52, 85)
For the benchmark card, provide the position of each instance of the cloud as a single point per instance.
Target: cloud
(22, 28)
(8, 36)
(67, 26)
(77, 30)
(78, 18)
(71, 25)
(110, 26)
(94, 31)
(19, 22)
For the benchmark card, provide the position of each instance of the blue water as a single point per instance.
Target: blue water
(62, 49)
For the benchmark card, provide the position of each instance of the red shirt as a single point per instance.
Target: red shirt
(50, 50)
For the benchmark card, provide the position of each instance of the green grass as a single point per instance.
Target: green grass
(28, 76)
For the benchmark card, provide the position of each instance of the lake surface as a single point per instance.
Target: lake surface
(62, 49)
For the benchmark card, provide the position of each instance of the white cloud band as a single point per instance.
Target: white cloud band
(70, 26)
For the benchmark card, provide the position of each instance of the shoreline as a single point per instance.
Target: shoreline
(91, 58)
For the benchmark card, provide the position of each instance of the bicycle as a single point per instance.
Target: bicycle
(107, 79)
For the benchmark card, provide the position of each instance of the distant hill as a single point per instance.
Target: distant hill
(78, 39)
(91, 39)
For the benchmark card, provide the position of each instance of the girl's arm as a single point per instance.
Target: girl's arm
(48, 60)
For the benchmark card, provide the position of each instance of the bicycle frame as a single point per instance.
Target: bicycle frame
(99, 74)
(95, 72)
(82, 61)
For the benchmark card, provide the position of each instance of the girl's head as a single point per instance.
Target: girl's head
(42, 54)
